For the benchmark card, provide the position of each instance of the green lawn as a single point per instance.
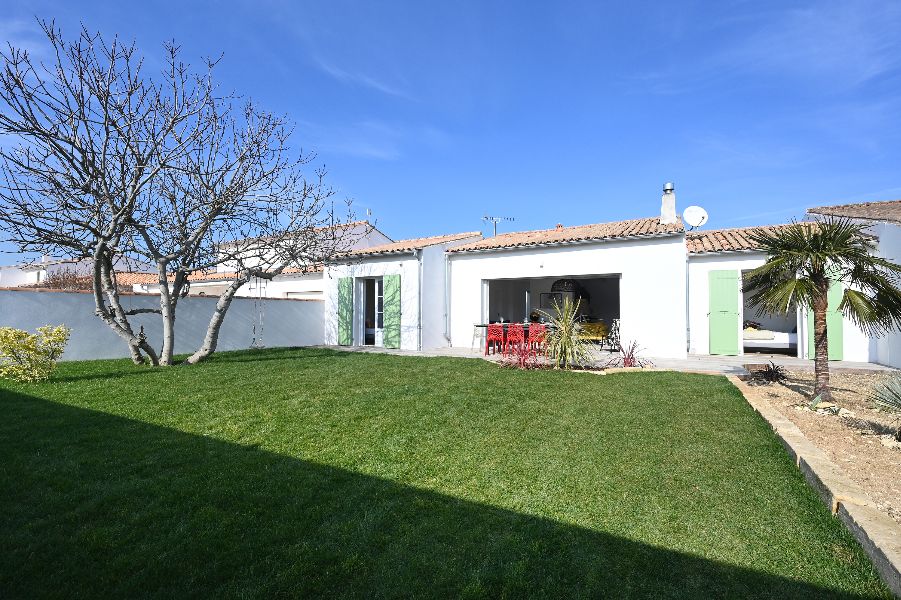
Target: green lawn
(311, 472)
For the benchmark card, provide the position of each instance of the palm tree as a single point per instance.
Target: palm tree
(804, 259)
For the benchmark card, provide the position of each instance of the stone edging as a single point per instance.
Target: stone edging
(879, 535)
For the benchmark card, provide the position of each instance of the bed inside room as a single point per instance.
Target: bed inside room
(764, 333)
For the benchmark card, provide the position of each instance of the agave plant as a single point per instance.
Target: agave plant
(888, 397)
(563, 342)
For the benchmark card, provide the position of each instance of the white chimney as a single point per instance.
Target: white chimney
(668, 204)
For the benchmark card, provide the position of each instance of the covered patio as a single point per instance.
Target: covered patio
(535, 299)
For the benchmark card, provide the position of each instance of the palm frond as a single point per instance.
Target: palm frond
(804, 257)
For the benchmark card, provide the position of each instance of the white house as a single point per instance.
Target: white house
(37, 272)
(884, 220)
(671, 291)
(630, 272)
(298, 283)
(393, 295)
(718, 307)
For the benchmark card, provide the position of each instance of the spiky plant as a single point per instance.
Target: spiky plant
(888, 396)
(804, 259)
(773, 373)
(563, 342)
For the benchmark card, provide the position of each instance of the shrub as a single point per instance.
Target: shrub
(563, 342)
(772, 373)
(628, 357)
(888, 397)
(28, 357)
(522, 358)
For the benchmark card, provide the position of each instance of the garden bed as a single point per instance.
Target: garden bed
(859, 439)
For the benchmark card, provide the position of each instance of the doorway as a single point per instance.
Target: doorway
(373, 311)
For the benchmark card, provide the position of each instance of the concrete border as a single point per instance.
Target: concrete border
(877, 533)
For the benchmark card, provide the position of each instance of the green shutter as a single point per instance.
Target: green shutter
(345, 311)
(391, 311)
(834, 325)
(724, 290)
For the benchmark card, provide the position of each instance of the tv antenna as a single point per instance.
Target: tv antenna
(495, 220)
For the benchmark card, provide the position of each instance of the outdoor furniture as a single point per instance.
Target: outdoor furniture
(494, 337)
(594, 332)
(476, 336)
(516, 337)
(611, 341)
(537, 333)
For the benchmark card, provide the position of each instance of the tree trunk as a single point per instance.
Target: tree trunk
(212, 331)
(113, 315)
(821, 346)
(167, 311)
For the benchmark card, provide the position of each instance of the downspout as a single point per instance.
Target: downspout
(687, 302)
(447, 336)
(418, 254)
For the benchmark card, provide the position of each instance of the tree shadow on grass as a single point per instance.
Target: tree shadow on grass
(99, 505)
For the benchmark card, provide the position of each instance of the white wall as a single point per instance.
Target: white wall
(296, 286)
(15, 277)
(887, 349)
(362, 234)
(406, 265)
(434, 308)
(855, 343)
(652, 285)
(284, 322)
(699, 267)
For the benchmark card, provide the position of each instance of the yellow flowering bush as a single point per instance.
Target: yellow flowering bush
(29, 357)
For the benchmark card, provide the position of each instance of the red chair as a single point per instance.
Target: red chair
(537, 333)
(516, 337)
(495, 336)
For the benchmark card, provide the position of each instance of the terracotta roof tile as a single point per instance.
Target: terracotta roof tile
(579, 233)
(230, 275)
(131, 277)
(405, 246)
(889, 210)
(725, 240)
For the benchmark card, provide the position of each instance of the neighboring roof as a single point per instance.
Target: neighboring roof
(407, 246)
(131, 278)
(889, 210)
(580, 233)
(726, 240)
(230, 275)
(348, 225)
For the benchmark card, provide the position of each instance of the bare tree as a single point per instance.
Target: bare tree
(108, 164)
(237, 202)
(90, 136)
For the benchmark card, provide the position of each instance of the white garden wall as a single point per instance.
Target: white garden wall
(284, 322)
(652, 285)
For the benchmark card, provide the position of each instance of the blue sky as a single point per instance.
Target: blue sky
(431, 115)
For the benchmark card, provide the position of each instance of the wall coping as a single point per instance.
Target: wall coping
(148, 295)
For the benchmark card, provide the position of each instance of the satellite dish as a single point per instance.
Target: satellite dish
(694, 216)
